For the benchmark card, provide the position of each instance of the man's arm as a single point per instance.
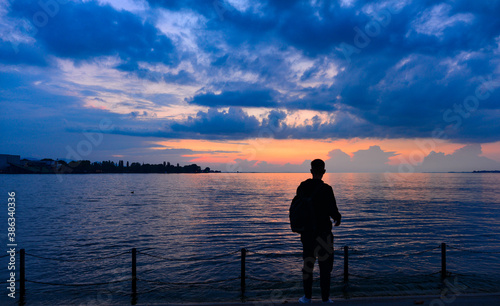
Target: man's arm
(332, 206)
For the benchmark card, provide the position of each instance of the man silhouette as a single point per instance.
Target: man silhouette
(317, 242)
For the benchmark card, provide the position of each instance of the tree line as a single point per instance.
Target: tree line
(86, 166)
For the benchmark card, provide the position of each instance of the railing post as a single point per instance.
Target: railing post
(134, 276)
(346, 266)
(443, 261)
(346, 272)
(243, 276)
(22, 274)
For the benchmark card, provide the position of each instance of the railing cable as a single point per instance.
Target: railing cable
(78, 260)
(79, 285)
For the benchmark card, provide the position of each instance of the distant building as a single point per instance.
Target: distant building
(6, 160)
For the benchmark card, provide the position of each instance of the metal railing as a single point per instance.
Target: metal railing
(244, 253)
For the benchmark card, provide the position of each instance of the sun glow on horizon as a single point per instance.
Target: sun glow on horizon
(294, 151)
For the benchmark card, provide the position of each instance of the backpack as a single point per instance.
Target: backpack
(301, 212)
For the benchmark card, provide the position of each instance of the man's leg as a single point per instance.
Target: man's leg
(308, 247)
(325, 261)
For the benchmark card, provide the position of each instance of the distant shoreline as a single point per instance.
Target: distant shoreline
(12, 164)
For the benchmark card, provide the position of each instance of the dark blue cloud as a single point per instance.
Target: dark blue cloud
(317, 30)
(83, 31)
(234, 123)
(202, 7)
(13, 53)
(319, 99)
(414, 97)
(247, 98)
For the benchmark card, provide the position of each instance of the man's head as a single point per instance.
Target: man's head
(318, 168)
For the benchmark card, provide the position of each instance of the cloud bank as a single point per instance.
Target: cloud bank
(376, 160)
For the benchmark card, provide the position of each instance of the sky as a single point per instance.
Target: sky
(264, 86)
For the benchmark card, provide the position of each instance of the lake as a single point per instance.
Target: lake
(188, 230)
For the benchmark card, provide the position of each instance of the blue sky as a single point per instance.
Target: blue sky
(235, 82)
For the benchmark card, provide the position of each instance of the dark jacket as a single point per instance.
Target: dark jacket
(324, 203)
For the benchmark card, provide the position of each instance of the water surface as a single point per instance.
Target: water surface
(189, 228)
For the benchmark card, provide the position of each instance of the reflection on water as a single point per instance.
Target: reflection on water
(188, 216)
